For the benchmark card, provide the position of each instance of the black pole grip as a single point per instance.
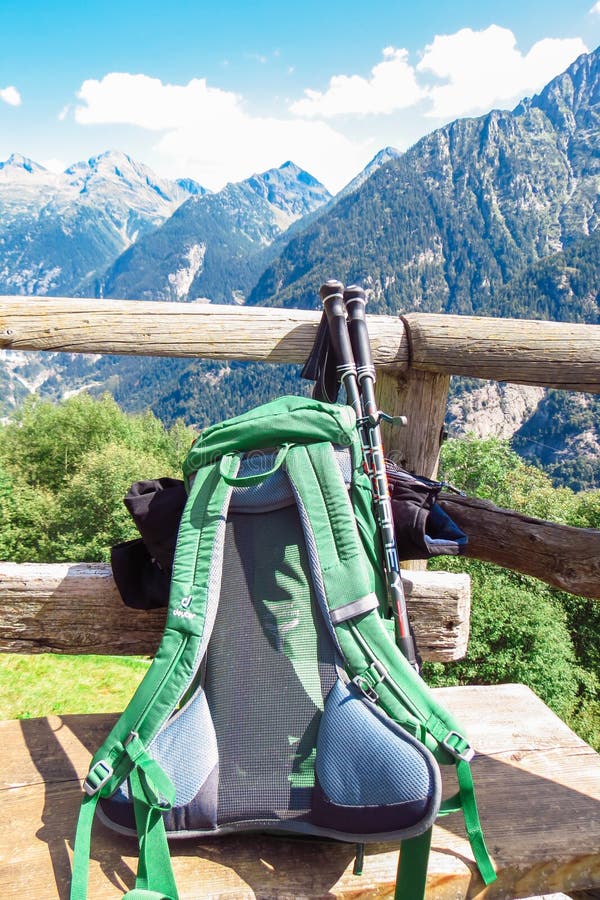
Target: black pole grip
(355, 301)
(332, 295)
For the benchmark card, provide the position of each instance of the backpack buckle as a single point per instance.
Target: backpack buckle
(458, 746)
(369, 679)
(97, 777)
(365, 688)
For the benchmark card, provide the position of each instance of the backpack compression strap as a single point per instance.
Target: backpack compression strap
(380, 670)
(192, 607)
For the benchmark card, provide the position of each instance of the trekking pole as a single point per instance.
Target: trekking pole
(332, 295)
(355, 302)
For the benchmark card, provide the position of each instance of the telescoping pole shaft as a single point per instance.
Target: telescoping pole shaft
(355, 302)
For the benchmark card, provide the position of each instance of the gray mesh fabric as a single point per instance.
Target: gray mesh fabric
(275, 491)
(176, 749)
(379, 766)
(270, 663)
(272, 493)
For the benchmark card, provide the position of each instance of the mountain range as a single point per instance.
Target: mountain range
(214, 246)
(56, 230)
(446, 225)
(495, 215)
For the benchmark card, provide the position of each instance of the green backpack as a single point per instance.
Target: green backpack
(278, 700)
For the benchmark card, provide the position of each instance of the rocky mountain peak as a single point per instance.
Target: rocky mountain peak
(380, 159)
(570, 100)
(116, 169)
(20, 168)
(289, 189)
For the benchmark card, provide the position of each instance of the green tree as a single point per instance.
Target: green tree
(64, 470)
(46, 442)
(519, 633)
(521, 629)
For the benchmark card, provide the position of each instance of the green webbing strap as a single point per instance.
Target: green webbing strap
(152, 793)
(465, 800)
(325, 497)
(347, 578)
(411, 881)
(123, 752)
(468, 803)
(155, 875)
(83, 841)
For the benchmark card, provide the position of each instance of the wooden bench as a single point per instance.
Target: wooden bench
(538, 788)
(538, 783)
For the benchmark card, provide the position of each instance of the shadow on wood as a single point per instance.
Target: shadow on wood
(538, 786)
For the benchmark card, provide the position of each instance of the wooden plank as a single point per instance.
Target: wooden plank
(538, 788)
(179, 329)
(76, 608)
(565, 557)
(553, 354)
(521, 351)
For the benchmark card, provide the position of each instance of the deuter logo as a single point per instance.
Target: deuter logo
(184, 614)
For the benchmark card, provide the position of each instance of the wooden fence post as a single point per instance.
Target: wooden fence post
(421, 397)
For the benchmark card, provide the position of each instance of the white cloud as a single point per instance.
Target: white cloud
(10, 95)
(209, 135)
(391, 86)
(596, 8)
(484, 68)
(121, 98)
(244, 144)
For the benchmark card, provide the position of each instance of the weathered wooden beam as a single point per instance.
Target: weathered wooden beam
(521, 351)
(422, 397)
(564, 557)
(551, 354)
(179, 329)
(76, 608)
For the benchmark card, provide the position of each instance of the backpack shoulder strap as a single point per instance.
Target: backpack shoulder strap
(377, 665)
(193, 602)
(330, 531)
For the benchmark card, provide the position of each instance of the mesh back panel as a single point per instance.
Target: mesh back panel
(270, 664)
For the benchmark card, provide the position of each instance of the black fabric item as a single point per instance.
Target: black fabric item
(141, 582)
(422, 527)
(320, 366)
(142, 568)
(156, 508)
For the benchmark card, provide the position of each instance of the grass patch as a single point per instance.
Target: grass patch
(47, 683)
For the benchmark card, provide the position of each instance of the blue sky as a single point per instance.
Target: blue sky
(216, 91)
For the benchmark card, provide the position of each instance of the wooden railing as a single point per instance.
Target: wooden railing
(415, 355)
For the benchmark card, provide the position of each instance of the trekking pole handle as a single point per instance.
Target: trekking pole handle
(332, 295)
(355, 301)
